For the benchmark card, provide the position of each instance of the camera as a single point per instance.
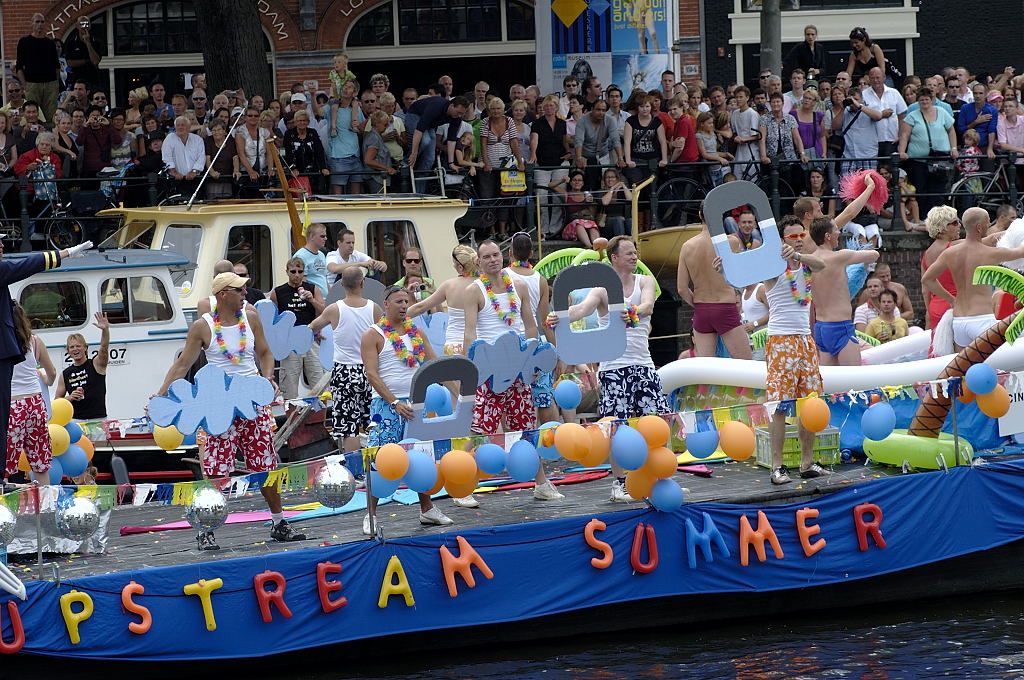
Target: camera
(848, 102)
(421, 287)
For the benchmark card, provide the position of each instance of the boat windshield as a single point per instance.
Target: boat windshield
(185, 240)
(134, 234)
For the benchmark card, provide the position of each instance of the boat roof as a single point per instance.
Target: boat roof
(112, 258)
(319, 202)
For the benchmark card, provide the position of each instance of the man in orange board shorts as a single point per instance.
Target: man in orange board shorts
(791, 353)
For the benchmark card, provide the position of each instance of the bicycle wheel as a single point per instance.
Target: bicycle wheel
(964, 193)
(679, 201)
(63, 232)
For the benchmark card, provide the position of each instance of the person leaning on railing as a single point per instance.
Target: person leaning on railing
(924, 132)
(41, 163)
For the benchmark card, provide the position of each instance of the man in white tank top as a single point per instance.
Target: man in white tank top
(630, 386)
(792, 356)
(253, 438)
(497, 304)
(350, 317)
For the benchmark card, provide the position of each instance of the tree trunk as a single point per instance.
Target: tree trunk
(233, 47)
(771, 36)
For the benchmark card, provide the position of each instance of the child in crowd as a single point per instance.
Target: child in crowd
(339, 75)
(968, 160)
(465, 155)
(707, 146)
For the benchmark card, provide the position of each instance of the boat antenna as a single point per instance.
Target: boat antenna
(229, 138)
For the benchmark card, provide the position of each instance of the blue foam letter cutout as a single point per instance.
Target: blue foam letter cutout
(751, 266)
(598, 344)
(437, 371)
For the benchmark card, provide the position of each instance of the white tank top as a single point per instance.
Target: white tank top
(488, 324)
(787, 317)
(455, 331)
(394, 373)
(532, 281)
(25, 379)
(638, 350)
(348, 336)
(753, 308)
(232, 341)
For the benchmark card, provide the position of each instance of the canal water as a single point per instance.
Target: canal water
(966, 637)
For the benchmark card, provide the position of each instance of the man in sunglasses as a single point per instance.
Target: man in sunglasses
(304, 300)
(412, 263)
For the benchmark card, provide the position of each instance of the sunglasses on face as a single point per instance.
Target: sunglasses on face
(234, 290)
(799, 236)
(413, 260)
(295, 271)
(199, 99)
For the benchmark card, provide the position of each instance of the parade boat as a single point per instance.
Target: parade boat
(262, 235)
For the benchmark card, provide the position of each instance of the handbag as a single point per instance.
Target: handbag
(512, 181)
(837, 141)
(940, 170)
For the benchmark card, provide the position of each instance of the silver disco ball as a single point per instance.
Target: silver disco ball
(7, 522)
(334, 485)
(78, 520)
(208, 509)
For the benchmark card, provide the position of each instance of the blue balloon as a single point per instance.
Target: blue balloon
(75, 431)
(567, 394)
(422, 473)
(56, 472)
(547, 452)
(491, 458)
(878, 421)
(981, 378)
(629, 448)
(702, 444)
(380, 487)
(438, 400)
(666, 495)
(74, 461)
(523, 461)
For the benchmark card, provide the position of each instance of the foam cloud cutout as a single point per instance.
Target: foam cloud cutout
(283, 336)
(510, 357)
(212, 402)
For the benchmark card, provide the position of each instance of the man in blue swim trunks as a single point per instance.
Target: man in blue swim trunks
(833, 329)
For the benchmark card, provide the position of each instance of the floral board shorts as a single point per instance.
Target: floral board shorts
(388, 426)
(27, 431)
(253, 438)
(351, 396)
(792, 367)
(542, 389)
(631, 391)
(514, 405)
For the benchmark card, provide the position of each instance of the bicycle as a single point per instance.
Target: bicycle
(987, 190)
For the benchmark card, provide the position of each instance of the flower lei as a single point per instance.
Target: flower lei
(419, 352)
(525, 264)
(634, 316)
(802, 299)
(222, 346)
(509, 317)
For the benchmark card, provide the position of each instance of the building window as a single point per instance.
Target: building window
(520, 21)
(57, 304)
(448, 21)
(374, 28)
(811, 5)
(250, 245)
(387, 241)
(156, 27)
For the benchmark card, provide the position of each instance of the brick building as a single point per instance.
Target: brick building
(410, 40)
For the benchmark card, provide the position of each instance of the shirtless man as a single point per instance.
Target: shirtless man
(972, 306)
(833, 328)
(715, 313)
(884, 274)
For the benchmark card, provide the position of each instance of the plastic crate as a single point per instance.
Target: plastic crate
(826, 447)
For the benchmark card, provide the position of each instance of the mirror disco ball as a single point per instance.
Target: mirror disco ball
(334, 485)
(208, 510)
(78, 520)
(7, 522)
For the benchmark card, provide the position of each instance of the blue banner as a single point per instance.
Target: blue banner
(520, 571)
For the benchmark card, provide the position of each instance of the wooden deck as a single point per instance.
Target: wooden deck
(731, 482)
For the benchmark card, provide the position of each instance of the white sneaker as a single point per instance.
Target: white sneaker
(619, 494)
(546, 492)
(366, 524)
(466, 502)
(435, 516)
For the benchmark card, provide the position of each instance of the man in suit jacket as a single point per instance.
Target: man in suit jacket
(12, 271)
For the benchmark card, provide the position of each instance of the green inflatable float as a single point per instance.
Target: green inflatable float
(919, 452)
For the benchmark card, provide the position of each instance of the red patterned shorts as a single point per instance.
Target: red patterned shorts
(254, 438)
(515, 405)
(27, 432)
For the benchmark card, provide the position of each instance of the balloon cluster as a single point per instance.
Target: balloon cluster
(981, 384)
(735, 438)
(644, 452)
(72, 450)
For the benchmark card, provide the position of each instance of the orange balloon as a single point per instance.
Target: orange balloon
(654, 429)
(459, 467)
(996, 403)
(815, 414)
(660, 463)
(461, 490)
(392, 461)
(639, 483)
(966, 395)
(88, 447)
(439, 484)
(547, 436)
(572, 441)
(599, 447)
(875, 398)
(736, 440)
(23, 462)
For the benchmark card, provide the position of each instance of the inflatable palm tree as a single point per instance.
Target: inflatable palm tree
(931, 414)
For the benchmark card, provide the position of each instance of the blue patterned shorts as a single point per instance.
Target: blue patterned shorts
(631, 391)
(542, 389)
(386, 426)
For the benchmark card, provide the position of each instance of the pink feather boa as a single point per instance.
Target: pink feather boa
(851, 186)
